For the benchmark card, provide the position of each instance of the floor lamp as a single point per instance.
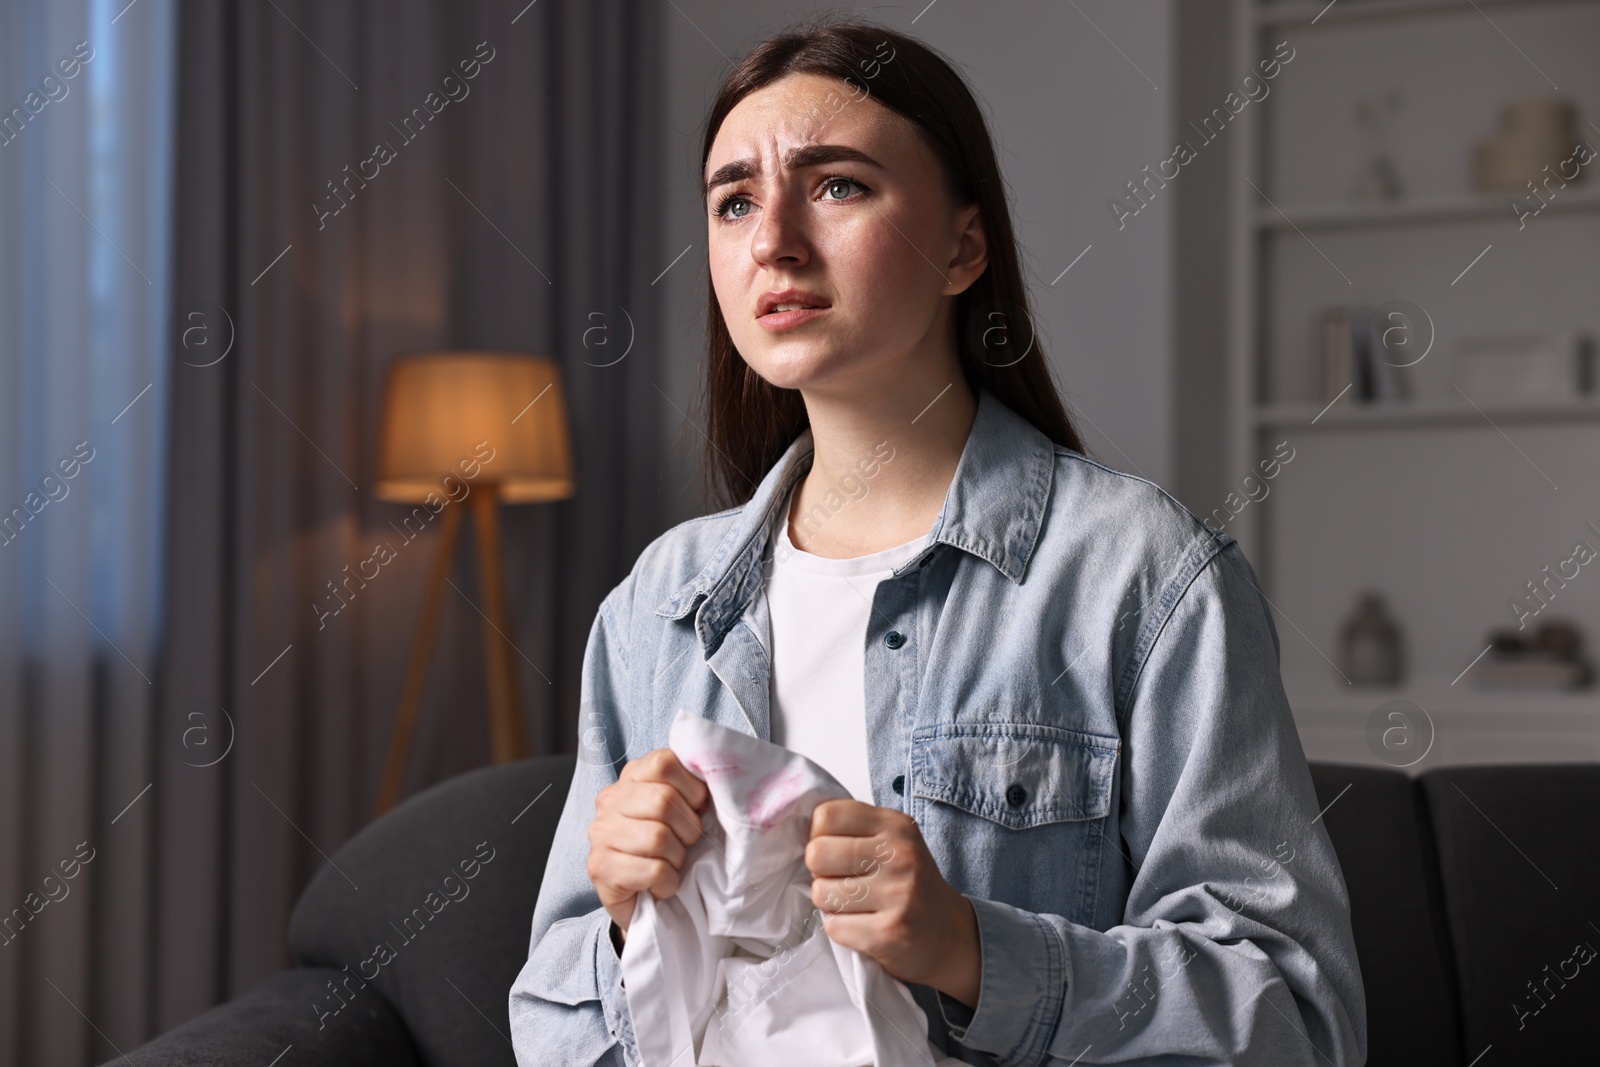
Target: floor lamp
(469, 430)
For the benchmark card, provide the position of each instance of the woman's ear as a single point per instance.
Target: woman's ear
(972, 251)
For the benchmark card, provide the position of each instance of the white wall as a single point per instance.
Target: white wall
(1074, 120)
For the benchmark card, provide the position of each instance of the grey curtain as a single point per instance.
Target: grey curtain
(516, 210)
(86, 108)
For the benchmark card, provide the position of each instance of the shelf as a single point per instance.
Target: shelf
(1573, 198)
(1470, 726)
(1345, 12)
(1473, 729)
(1349, 415)
(1313, 692)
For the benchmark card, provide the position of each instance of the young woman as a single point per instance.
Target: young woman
(1051, 690)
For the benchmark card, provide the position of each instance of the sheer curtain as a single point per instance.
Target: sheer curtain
(86, 135)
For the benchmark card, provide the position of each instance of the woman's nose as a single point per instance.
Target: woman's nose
(780, 234)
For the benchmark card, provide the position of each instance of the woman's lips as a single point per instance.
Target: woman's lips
(788, 320)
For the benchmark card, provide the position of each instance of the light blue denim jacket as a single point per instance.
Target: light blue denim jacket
(1074, 691)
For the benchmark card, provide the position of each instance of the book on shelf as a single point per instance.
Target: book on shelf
(1332, 354)
(1348, 351)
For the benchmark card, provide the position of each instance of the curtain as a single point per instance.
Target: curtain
(514, 208)
(86, 128)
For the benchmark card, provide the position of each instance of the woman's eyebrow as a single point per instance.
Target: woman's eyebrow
(810, 155)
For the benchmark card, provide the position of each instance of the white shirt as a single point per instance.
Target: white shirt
(819, 609)
(737, 967)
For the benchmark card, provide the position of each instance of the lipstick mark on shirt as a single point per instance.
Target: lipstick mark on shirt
(774, 795)
(714, 763)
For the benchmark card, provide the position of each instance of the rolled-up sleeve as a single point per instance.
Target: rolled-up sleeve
(1235, 944)
(567, 1006)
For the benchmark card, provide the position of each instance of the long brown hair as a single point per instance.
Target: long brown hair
(749, 421)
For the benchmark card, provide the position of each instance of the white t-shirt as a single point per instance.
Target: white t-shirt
(819, 609)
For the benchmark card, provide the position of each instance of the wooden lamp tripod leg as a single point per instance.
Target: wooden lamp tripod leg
(507, 736)
(417, 670)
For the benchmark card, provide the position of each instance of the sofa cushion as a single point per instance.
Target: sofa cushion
(1378, 826)
(273, 1020)
(431, 906)
(1522, 888)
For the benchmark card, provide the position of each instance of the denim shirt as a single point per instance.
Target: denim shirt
(1074, 691)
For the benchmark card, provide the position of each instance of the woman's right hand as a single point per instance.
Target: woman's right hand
(644, 823)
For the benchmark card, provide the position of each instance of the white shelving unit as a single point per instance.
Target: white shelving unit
(1323, 13)
(1446, 506)
(1421, 211)
(1345, 415)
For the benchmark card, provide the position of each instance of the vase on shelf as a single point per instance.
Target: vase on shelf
(1370, 647)
(1379, 178)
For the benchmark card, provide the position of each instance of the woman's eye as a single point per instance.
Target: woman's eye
(836, 183)
(727, 205)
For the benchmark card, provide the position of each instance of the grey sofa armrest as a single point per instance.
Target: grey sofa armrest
(440, 923)
(282, 1011)
(416, 964)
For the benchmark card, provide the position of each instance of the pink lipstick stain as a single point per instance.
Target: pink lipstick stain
(714, 763)
(774, 795)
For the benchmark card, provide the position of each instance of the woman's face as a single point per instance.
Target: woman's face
(834, 197)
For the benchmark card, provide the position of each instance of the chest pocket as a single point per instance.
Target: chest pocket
(1015, 811)
(1015, 774)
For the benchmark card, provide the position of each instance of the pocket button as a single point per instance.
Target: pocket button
(1016, 795)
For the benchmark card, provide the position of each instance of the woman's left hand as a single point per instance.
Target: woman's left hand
(881, 894)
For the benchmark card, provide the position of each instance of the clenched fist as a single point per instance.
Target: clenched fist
(643, 826)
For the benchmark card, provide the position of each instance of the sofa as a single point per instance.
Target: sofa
(1474, 891)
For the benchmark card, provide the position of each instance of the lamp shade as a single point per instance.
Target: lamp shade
(501, 415)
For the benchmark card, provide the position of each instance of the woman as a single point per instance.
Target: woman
(1052, 691)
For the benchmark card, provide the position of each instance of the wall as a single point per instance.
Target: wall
(1207, 72)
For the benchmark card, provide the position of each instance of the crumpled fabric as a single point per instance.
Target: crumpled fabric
(736, 969)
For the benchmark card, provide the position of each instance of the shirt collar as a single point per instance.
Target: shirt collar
(993, 509)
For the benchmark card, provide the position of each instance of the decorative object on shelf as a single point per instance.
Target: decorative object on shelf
(1552, 659)
(440, 409)
(1378, 179)
(1535, 134)
(1350, 350)
(1545, 368)
(1371, 651)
